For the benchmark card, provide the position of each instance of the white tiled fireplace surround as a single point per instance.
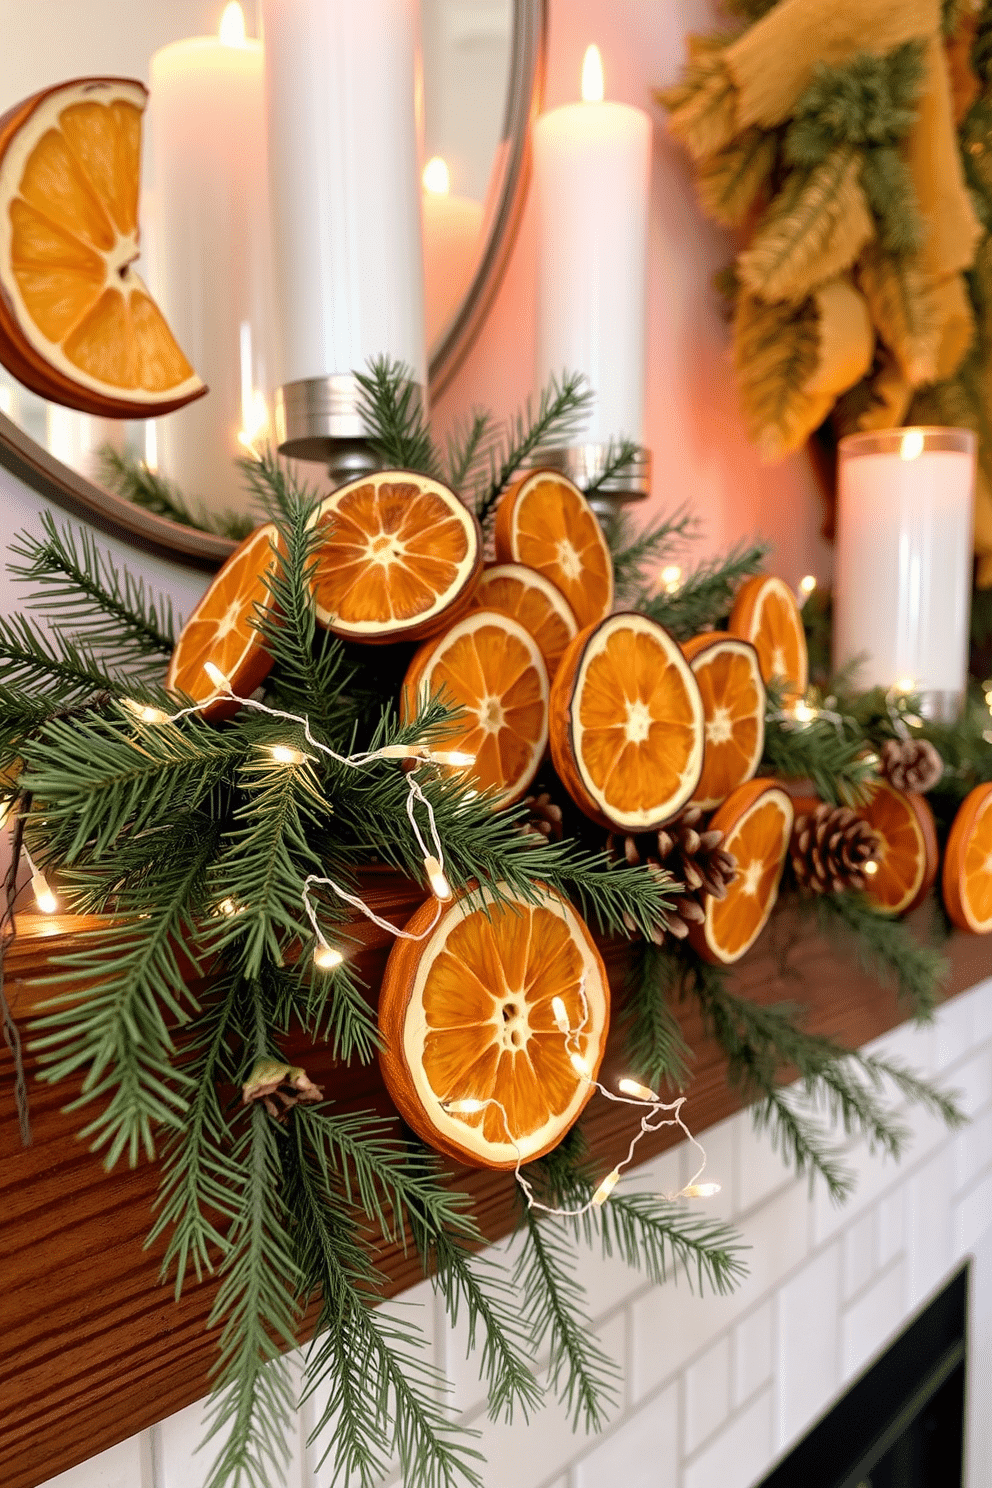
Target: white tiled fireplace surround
(715, 1390)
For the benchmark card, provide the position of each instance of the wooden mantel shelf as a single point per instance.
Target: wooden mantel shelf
(92, 1349)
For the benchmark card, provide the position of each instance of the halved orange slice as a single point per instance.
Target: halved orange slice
(398, 558)
(765, 613)
(527, 596)
(489, 667)
(728, 674)
(756, 820)
(908, 856)
(220, 629)
(968, 863)
(467, 1019)
(627, 724)
(77, 325)
(545, 522)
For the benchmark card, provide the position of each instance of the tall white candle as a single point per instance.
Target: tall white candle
(345, 183)
(903, 569)
(209, 252)
(592, 177)
(452, 233)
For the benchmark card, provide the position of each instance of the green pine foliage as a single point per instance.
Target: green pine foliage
(131, 478)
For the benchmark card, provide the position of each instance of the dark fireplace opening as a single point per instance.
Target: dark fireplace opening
(901, 1425)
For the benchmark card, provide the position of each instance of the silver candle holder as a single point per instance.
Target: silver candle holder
(585, 463)
(319, 419)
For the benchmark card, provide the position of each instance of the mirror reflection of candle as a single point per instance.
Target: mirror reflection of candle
(452, 227)
(592, 177)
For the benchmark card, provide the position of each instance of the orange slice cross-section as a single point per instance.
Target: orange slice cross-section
(221, 630)
(756, 820)
(490, 667)
(398, 558)
(545, 522)
(529, 597)
(77, 324)
(908, 854)
(466, 1016)
(727, 672)
(968, 863)
(765, 613)
(627, 724)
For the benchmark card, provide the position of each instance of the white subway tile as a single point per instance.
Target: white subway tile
(753, 1352)
(955, 1030)
(859, 1253)
(128, 1465)
(971, 1150)
(870, 1321)
(873, 1174)
(738, 1454)
(929, 1240)
(707, 1394)
(181, 1462)
(981, 1010)
(971, 1079)
(720, 1145)
(761, 1170)
(807, 1352)
(890, 1226)
(972, 1217)
(640, 1452)
(909, 1043)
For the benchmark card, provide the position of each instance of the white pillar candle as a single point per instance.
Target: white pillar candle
(210, 258)
(903, 569)
(592, 178)
(452, 230)
(345, 183)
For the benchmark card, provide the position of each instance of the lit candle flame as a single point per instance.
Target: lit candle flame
(912, 444)
(592, 76)
(232, 25)
(436, 177)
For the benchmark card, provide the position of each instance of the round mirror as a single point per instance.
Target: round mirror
(482, 81)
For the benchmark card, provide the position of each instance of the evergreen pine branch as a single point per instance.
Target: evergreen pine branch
(40, 665)
(276, 490)
(919, 1091)
(833, 758)
(705, 597)
(655, 1043)
(801, 1142)
(132, 479)
(583, 1376)
(85, 594)
(469, 449)
(633, 551)
(396, 425)
(561, 408)
(886, 949)
(620, 455)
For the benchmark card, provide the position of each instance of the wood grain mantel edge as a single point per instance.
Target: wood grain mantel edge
(93, 1349)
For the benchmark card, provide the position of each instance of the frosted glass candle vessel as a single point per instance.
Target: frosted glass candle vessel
(903, 570)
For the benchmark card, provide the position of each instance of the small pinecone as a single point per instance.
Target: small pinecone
(911, 764)
(697, 859)
(829, 849)
(544, 817)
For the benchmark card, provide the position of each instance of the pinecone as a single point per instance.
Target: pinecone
(696, 859)
(544, 817)
(830, 847)
(911, 764)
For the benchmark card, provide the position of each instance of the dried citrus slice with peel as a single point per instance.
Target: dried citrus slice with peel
(545, 522)
(627, 724)
(765, 613)
(467, 1017)
(490, 667)
(908, 856)
(398, 558)
(756, 820)
(222, 630)
(727, 672)
(77, 325)
(968, 863)
(529, 597)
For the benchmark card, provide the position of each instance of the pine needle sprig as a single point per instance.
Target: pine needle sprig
(42, 665)
(619, 456)
(277, 491)
(132, 479)
(886, 949)
(584, 1378)
(86, 595)
(655, 1044)
(561, 409)
(800, 1141)
(469, 448)
(833, 757)
(396, 426)
(634, 552)
(704, 599)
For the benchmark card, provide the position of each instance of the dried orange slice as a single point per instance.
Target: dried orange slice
(466, 1017)
(756, 820)
(908, 856)
(489, 667)
(968, 863)
(221, 629)
(765, 613)
(545, 522)
(398, 558)
(77, 325)
(627, 724)
(727, 672)
(529, 597)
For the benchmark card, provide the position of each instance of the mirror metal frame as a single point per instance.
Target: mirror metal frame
(31, 463)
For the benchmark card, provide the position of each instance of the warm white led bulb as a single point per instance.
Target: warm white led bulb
(807, 584)
(626, 1086)
(671, 578)
(43, 896)
(580, 1065)
(400, 751)
(871, 868)
(327, 958)
(802, 712)
(561, 1014)
(464, 1107)
(284, 754)
(701, 1190)
(604, 1190)
(217, 677)
(457, 757)
(227, 907)
(440, 887)
(144, 712)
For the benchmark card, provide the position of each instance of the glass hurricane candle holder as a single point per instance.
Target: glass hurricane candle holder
(902, 590)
